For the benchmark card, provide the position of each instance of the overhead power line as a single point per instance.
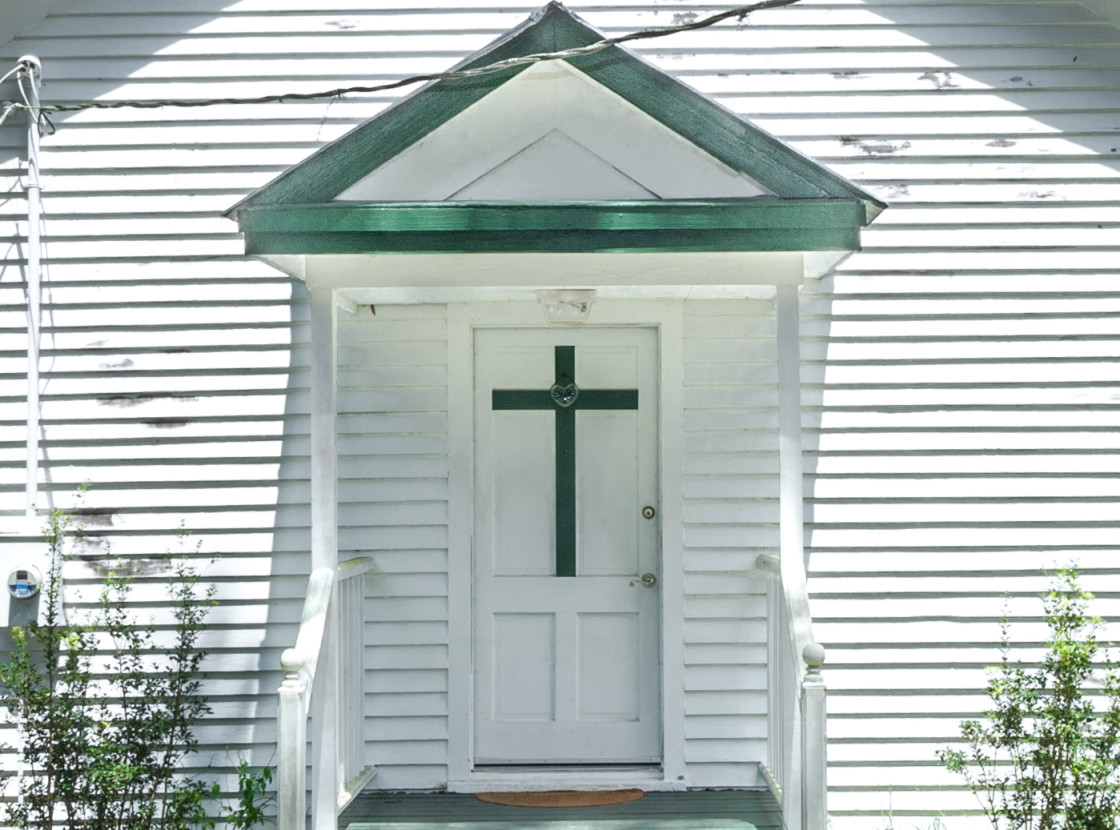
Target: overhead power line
(739, 13)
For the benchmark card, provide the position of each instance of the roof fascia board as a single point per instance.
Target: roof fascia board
(466, 227)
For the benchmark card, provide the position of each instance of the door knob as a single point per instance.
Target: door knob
(646, 580)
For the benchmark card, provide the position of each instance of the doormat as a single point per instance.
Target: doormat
(595, 798)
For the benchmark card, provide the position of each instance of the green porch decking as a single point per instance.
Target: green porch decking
(701, 810)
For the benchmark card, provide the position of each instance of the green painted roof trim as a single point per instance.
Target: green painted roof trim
(698, 119)
(587, 227)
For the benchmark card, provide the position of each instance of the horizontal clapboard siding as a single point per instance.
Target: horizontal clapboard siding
(393, 497)
(960, 373)
(730, 518)
(960, 378)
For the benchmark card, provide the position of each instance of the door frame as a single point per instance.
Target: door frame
(666, 316)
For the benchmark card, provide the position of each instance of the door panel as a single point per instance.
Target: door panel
(566, 635)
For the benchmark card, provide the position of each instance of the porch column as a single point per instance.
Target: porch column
(791, 537)
(791, 534)
(324, 552)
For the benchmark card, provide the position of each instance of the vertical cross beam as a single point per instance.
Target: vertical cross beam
(565, 372)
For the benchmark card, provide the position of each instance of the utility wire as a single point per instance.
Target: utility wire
(738, 13)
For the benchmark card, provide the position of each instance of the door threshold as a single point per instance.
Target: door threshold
(541, 778)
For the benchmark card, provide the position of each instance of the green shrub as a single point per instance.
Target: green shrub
(1047, 757)
(101, 744)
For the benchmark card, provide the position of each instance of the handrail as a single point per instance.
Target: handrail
(796, 596)
(357, 566)
(301, 661)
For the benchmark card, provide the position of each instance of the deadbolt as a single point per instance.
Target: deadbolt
(648, 512)
(646, 580)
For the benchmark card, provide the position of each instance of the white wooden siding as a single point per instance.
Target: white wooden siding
(730, 517)
(959, 380)
(393, 508)
(960, 372)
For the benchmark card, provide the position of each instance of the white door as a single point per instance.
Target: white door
(566, 547)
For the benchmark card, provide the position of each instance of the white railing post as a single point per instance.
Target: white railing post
(291, 765)
(814, 741)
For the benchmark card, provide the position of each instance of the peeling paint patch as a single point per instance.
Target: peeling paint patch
(940, 80)
(872, 148)
(343, 24)
(95, 517)
(849, 73)
(90, 546)
(126, 401)
(1001, 142)
(132, 566)
(883, 148)
(684, 18)
(1038, 194)
(120, 364)
(166, 423)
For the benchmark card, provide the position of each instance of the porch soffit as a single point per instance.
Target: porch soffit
(595, 156)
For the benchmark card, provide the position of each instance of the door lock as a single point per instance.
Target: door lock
(648, 512)
(646, 581)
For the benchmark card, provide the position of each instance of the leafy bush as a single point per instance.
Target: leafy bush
(253, 796)
(1047, 757)
(101, 742)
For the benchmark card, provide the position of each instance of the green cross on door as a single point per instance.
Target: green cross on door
(565, 397)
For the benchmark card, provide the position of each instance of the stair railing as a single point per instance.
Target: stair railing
(354, 773)
(328, 592)
(797, 763)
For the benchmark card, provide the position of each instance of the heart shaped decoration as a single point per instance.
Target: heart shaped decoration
(564, 396)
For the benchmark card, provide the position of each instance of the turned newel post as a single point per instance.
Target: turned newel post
(291, 770)
(813, 740)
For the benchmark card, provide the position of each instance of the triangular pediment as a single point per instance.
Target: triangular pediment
(598, 153)
(695, 119)
(554, 168)
(567, 136)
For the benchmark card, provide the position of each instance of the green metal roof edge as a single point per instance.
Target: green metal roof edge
(741, 225)
(697, 118)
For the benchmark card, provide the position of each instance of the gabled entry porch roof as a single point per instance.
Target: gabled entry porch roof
(469, 166)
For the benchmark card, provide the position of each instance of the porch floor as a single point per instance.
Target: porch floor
(699, 810)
